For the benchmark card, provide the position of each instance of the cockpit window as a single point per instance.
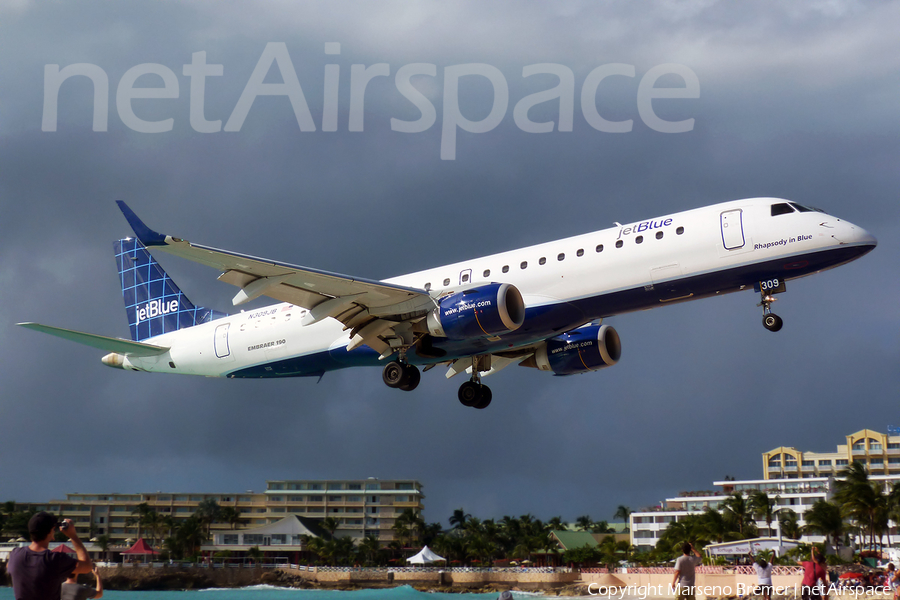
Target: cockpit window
(801, 208)
(782, 208)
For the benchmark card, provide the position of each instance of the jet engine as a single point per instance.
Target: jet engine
(581, 350)
(483, 311)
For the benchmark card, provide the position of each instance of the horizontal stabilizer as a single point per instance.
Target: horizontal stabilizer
(100, 342)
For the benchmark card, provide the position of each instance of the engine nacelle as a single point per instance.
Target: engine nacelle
(582, 350)
(483, 311)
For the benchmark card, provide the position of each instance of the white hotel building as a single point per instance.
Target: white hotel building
(795, 479)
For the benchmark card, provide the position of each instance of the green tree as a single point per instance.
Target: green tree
(736, 510)
(208, 512)
(330, 524)
(231, 515)
(825, 517)
(458, 518)
(763, 507)
(369, 550)
(622, 512)
(789, 523)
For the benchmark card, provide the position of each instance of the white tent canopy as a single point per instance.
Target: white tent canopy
(425, 557)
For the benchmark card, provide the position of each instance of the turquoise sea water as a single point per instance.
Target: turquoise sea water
(264, 592)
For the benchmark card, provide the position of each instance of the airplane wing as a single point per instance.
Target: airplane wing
(100, 342)
(378, 313)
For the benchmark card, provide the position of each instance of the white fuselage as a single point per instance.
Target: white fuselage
(678, 257)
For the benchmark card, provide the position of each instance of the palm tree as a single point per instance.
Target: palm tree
(208, 511)
(189, 535)
(584, 523)
(369, 549)
(863, 501)
(763, 507)
(458, 518)
(737, 510)
(789, 523)
(231, 515)
(715, 526)
(330, 524)
(141, 515)
(623, 512)
(104, 542)
(557, 524)
(825, 518)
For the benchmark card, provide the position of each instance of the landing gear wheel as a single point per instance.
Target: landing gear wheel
(413, 376)
(393, 374)
(469, 393)
(772, 322)
(485, 399)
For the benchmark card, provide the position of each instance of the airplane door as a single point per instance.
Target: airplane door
(732, 229)
(221, 343)
(465, 276)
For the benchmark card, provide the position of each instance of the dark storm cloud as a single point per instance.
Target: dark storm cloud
(797, 101)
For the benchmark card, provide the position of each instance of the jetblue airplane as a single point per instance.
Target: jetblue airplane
(540, 306)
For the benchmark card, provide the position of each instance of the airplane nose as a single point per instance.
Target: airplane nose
(860, 236)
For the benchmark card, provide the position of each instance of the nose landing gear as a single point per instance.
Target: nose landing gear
(770, 320)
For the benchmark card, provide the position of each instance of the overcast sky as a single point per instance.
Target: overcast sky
(796, 100)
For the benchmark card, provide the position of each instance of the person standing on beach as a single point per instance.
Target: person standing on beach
(72, 590)
(763, 575)
(684, 571)
(813, 572)
(37, 573)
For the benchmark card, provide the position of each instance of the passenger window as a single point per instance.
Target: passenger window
(506, 268)
(561, 257)
(679, 231)
(543, 260)
(524, 264)
(465, 278)
(428, 287)
(619, 244)
(446, 282)
(600, 248)
(781, 209)
(487, 273)
(639, 239)
(659, 235)
(580, 252)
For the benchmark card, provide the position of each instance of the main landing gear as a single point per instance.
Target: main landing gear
(474, 393)
(770, 320)
(401, 375)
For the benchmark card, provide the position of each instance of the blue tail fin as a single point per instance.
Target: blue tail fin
(153, 302)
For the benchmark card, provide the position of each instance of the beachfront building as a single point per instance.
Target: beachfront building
(361, 507)
(795, 479)
(879, 452)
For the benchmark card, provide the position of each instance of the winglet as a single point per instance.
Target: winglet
(147, 236)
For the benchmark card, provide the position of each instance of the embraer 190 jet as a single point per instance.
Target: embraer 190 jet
(540, 306)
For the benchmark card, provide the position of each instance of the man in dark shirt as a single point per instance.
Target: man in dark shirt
(37, 573)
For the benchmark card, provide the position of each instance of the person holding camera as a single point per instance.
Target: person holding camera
(37, 573)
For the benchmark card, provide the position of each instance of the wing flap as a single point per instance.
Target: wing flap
(100, 342)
